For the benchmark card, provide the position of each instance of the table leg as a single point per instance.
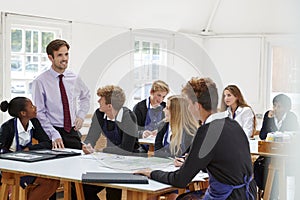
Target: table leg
(134, 195)
(67, 190)
(269, 183)
(79, 191)
(10, 179)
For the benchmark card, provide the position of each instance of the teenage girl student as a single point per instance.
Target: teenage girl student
(17, 133)
(235, 106)
(178, 133)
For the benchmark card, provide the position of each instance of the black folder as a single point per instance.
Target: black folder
(26, 156)
(37, 155)
(114, 177)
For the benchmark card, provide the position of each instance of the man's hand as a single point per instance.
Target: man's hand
(58, 144)
(78, 123)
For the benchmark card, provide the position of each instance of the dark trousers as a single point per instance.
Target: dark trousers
(91, 191)
(71, 140)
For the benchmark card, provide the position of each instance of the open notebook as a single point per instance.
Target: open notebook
(38, 155)
(114, 177)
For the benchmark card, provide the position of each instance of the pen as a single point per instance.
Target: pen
(179, 160)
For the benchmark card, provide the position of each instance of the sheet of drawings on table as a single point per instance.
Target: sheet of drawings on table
(131, 163)
(24, 156)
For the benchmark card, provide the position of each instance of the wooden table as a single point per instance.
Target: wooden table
(150, 142)
(277, 152)
(70, 170)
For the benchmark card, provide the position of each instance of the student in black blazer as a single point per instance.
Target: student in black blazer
(17, 133)
(118, 124)
(280, 118)
(149, 112)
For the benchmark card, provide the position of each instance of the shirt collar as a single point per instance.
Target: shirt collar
(118, 117)
(238, 110)
(56, 74)
(214, 116)
(21, 128)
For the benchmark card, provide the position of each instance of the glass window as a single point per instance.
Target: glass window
(28, 56)
(148, 57)
(16, 40)
(285, 73)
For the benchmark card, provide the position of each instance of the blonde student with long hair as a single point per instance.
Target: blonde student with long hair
(178, 132)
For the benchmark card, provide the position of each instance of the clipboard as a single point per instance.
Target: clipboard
(113, 177)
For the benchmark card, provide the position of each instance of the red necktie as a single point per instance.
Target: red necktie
(64, 99)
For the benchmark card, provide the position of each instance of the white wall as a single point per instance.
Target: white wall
(228, 60)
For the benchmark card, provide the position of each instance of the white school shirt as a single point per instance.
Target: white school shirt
(24, 136)
(244, 116)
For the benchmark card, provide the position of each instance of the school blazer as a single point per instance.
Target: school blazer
(7, 133)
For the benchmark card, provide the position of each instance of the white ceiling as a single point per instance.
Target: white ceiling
(190, 16)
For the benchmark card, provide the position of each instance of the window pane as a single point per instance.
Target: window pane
(146, 47)
(16, 64)
(35, 42)
(136, 46)
(155, 49)
(16, 40)
(285, 72)
(28, 41)
(47, 37)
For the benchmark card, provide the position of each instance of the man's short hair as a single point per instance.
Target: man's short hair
(113, 95)
(54, 45)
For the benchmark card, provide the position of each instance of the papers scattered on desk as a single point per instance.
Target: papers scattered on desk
(129, 163)
(109, 177)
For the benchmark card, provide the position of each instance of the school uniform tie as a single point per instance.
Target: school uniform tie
(64, 99)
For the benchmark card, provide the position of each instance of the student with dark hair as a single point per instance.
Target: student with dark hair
(220, 146)
(17, 133)
(280, 118)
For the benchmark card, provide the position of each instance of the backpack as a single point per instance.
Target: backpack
(260, 169)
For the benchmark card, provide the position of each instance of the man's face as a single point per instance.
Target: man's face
(60, 59)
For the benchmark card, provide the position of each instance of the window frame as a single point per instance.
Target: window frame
(12, 20)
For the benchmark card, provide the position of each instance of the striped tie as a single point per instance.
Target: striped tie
(64, 99)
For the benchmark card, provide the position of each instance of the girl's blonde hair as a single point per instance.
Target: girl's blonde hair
(181, 121)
